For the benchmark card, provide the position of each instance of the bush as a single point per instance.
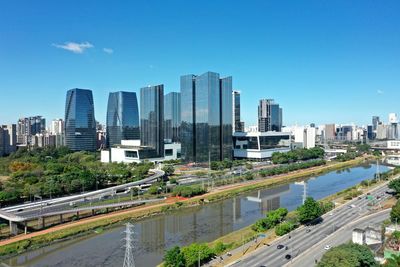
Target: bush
(284, 228)
(272, 219)
(188, 191)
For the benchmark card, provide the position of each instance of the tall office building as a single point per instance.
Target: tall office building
(8, 139)
(28, 127)
(172, 116)
(269, 116)
(152, 118)
(57, 126)
(206, 129)
(122, 118)
(80, 123)
(375, 122)
(330, 132)
(237, 125)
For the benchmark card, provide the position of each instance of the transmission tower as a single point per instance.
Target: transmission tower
(129, 260)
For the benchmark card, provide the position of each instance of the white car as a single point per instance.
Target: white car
(327, 247)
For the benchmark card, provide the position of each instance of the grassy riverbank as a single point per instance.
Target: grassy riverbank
(39, 239)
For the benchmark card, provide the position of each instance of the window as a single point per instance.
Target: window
(131, 154)
(169, 152)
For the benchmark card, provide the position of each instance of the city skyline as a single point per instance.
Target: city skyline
(307, 56)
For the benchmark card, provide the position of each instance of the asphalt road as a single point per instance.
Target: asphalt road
(301, 241)
(63, 203)
(341, 236)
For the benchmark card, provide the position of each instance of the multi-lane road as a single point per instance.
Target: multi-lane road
(304, 238)
(343, 235)
(63, 204)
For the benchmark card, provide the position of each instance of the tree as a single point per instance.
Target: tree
(395, 185)
(193, 252)
(393, 261)
(348, 255)
(309, 211)
(284, 228)
(395, 212)
(174, 258)
(168, 169)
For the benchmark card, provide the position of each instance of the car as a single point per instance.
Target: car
(327, 247)
(280, 246)
(353, 206)
(288, 256)
(19, 210)
(308, 230)
(331, 214)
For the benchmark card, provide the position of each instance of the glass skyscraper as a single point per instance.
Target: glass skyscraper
(152, 118)
(269, 116)
(122, 118)
(206, 113)
(237, 124)
(80, 123)
(172, 116)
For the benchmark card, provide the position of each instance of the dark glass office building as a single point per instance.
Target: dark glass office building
(237, 124)
(269, 116)
(172, 116)
(152, 118)
(80, 123)
(206, 128)
(122, 118)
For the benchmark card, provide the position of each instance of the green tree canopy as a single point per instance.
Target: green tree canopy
(174, 258)
(395, 212)
(348, 255)
(309, 211)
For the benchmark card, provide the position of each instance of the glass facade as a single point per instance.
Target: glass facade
(262, 142)
(188, 106)
(226, 117)
(152, 118)
(237, 125)
(172, 116)
(206, 129)
(269, 116)
(80, 123)
(122, 118)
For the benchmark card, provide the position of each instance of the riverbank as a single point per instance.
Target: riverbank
(245, 237)
(39, 239)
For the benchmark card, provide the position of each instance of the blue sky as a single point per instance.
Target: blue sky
(323, 61)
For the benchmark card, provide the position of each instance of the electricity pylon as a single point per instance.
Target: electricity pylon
(129, 261)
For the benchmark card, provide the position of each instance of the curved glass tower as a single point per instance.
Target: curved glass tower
(122, 118)
(80, 123)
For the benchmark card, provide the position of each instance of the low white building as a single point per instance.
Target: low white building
(305, 135)
(393, 144)
(260, 145)
(131, 151)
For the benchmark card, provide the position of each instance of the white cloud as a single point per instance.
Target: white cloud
(77, 48)
(380, 92)
(108, 50)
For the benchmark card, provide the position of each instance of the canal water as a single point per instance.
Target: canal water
(201, 224)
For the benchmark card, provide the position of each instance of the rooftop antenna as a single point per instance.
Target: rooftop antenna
(129, 260)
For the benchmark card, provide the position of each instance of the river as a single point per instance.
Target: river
(201, 224)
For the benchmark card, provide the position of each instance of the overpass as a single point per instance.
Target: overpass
(11, 213)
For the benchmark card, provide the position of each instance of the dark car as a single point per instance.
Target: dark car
(280, 246)
(288, 256)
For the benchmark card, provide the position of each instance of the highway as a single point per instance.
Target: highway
(40, 208)
(300, 240)
(341, 236)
